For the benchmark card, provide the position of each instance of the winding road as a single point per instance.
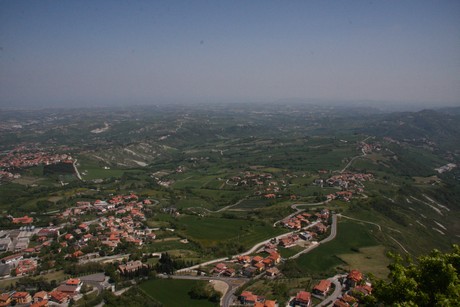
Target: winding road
(228, 295)
(337, 291)
(331, 237)
(294, 207)
(356, 157)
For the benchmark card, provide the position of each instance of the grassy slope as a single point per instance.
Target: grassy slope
(210, 231)
(351, 236)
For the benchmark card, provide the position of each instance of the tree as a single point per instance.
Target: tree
(431, 280)
(165, 264)
(201, 290)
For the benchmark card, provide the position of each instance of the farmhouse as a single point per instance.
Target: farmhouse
(22, 297)
(302, 299)
(247, 297)
(131, 267)
(219, 268)
(58, 297)
(25, 220)
(40, 296)
(353, 278)
(288, 241)
(271, 272)
(5, 299)
(322, 287)
(320, 228)
(71, 287)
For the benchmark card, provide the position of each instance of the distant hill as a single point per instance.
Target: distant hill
(440, 127)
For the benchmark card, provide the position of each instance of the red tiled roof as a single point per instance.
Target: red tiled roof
(58, 296)
(248, 296)
(42, 303)
(41, 295)
(4, 297)
(339, 303)
(323, 286)
(73, 281)
(355, 275)
(257, 259)
(303, 296)
(259, 265)
(20, 294)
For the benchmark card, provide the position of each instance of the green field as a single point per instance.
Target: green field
(211, 231)
(253, 204)
(369, 259)
(95, 170)
(173, 292)
(350, 237)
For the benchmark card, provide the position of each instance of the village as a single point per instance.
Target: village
(120, 220)
(27, 156)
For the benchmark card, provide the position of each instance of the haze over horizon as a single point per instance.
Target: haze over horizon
(84, 53)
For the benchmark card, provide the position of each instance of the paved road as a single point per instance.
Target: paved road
(331, 236)
(104, 258)
(333, 233)
(221, 209)
(76, 169)
(337, 291)
(354, 158)
(228, 296)
(194, 267)
(297, 210)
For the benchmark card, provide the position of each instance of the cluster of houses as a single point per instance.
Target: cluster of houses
(355, 287)
(255, 265)
(60, 295)
(5, 175)
(22, 156)
(264, 183)
(27, 156)
(353, 283)
(121, 220)
(367, 148)
(350, 183)
(249, 266)
(118, 205)
(251, 299)
(302, 298)
(315, 222)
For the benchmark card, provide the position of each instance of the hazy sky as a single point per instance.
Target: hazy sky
(102, 52)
